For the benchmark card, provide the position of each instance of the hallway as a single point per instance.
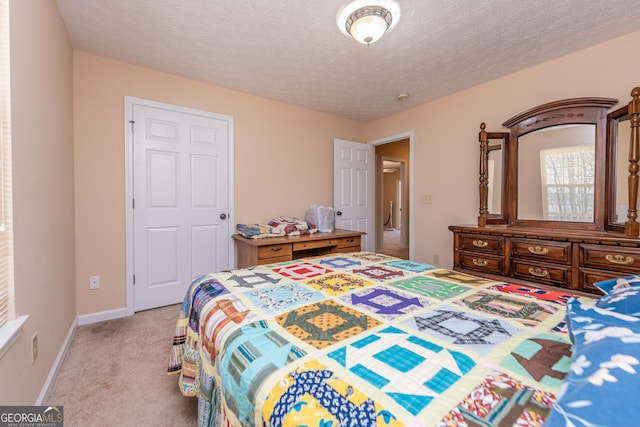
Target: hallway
(391, 244)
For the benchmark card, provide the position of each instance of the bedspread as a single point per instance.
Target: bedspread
(366, 339)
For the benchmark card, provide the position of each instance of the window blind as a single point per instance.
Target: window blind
(6, 234)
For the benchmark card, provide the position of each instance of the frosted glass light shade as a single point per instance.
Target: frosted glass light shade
(367, 24)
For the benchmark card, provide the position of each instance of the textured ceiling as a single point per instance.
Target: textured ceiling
(292, 50)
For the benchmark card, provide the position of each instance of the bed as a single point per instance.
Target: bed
(366, 339)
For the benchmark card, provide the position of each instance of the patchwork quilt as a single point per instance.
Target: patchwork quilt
(364, 339)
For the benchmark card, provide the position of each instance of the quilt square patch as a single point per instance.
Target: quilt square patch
(412, 266)
(338, 283)
(301, 271)
(250, 354)
(385, 302)
(252, 278)
(545, 358)
(524, 310)
(409, 369)
(314, 392)
(372, 257)
(224, 315)
(201, 294)
(340, 262)
(500, 397)
(457, 277)
(277, 299)
(539, 294)
(430, 287)
(467, 330)
(325, 323)
(379, 273)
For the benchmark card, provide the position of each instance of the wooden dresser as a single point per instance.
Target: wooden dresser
(562, 258)
(269, 250)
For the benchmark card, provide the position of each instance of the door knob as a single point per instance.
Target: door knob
(338, 213)
(223, 216)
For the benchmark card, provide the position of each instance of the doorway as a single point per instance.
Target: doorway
(393, 197)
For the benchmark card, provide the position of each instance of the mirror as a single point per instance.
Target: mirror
(618, 142)
(553, 167)
(494, 174)
(556, 174)
(493, 164)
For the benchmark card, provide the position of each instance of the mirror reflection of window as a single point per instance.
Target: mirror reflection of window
(562, 190)
(491, 167)
(494, 174)
(568, 176)
(621, 197)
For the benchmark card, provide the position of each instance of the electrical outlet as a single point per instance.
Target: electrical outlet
(436, 259)
(34, 348)
(94, 282)
(428, 199)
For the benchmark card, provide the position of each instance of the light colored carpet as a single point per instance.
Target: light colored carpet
(114, 373)
(391, 244)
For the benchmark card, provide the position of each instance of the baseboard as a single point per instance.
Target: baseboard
(101, 316)
(57, 364)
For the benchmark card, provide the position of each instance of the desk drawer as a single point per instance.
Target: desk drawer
(549, 251)
(481, 262)
(550, 274)
(313, 244)
(613, 258)
(480, 243)
(272, 251)
(349, 242)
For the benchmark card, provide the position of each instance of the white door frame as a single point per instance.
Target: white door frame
(129, 102)
(393, 138)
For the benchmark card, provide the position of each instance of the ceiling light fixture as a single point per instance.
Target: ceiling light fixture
(367, 21)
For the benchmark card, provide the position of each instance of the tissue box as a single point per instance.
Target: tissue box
(321, 217)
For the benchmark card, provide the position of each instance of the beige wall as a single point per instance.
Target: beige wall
(42, 126)
(283, 160)
(446, 131)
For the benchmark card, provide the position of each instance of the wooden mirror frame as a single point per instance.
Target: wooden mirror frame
(631, 227)
(486, 147)
(613, 119)
(568, 111)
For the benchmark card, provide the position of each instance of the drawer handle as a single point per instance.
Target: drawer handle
(619, 259)
(480, 262)
(349, 240)
(480, 243)
(538, 272)
(275, 249)
(538, 250)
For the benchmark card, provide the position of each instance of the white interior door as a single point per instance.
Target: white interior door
(181, 201)
(353, 189)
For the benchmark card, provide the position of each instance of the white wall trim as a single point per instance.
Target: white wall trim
(86, 319)
(53, 373)
(398, 137)
(128, 138)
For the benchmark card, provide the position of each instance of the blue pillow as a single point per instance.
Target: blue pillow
(607, 286)
(604, 379)
(625, 300)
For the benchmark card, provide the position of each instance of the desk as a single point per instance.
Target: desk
(270, 250)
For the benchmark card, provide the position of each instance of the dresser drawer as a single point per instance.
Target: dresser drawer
(273, 251)
(480, 243)
(588, 277)
(613, 258)
(482, 262)
(550, 274)
(549, 251)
